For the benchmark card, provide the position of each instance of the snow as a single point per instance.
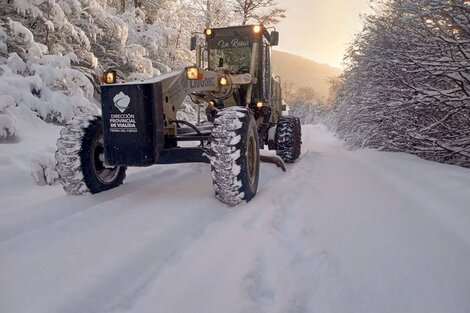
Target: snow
(35, 49)
(7, 119)
(341, 231)
(44, 83)
(7, 126)
(43, 170)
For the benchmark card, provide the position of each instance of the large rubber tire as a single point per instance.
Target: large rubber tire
(288, 138)
(235, 155)
(80, 158)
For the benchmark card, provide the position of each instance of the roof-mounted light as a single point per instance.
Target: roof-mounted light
(257, 29)
(208, 32)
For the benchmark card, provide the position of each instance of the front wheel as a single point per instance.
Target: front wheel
(80, 158)
(235, 155)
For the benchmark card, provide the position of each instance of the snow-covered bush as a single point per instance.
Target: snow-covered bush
(99, 36)
(44, 83)
(7, 119)
(43, 170)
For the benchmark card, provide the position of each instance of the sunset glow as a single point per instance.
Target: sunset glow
(321, 30)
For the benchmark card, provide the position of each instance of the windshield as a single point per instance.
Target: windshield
(235, 60)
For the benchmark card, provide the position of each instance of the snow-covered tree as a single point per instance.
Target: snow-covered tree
(407, 86)
(213, 13)
(51, 52)
(305, 104)
(267, 12)
(44, 83)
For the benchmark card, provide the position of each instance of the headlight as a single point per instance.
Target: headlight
(111, 77)
(194, 73)
(257, 29)
(259, 104)
(108, 77)
(208, 32)
(223, 81)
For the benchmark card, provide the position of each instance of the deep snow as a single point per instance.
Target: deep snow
(341, 231)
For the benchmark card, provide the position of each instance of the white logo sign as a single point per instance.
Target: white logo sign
(235, 43)
(121, 101)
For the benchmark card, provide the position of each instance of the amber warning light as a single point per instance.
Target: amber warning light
(108, 77)
(194, 73)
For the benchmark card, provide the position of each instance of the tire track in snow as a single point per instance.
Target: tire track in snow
(291, 270)
(25, 218)
(34, 217)
(237, 265)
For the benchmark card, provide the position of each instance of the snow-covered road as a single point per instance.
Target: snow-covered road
(341, 231)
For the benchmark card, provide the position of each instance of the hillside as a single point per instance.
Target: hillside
(303, 72)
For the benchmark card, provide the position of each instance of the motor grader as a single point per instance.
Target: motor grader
(233, 86)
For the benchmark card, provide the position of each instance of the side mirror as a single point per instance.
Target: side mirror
(274, 41)
(192, 46)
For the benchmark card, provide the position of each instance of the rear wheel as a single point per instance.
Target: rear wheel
(80, 158)
(235, 156)
(288, 138)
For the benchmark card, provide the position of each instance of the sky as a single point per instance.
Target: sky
(320, 30)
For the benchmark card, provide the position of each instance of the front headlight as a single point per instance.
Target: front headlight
(108, 77)
(223, 81)
(194, 73)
